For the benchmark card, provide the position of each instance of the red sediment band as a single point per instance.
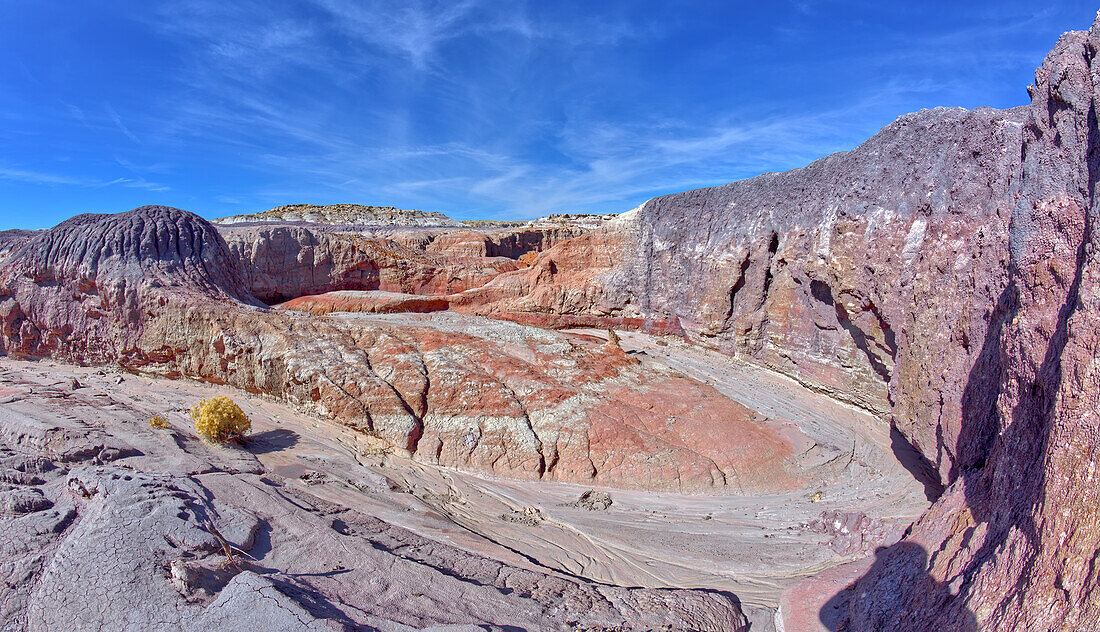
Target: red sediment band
(566, 321)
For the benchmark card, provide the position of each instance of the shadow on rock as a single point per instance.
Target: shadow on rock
(893, 595)
(916, 463)
(272, 441)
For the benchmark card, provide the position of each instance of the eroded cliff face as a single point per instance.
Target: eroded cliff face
(1012, 544)
(286, 261)
(158, 290)
(83, 289)
(871, 274)
(945, 274)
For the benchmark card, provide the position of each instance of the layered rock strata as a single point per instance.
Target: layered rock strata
(158, 290)
(282, 262)
(109, 524)
(943, 274)
(870, 274)
(939, 273)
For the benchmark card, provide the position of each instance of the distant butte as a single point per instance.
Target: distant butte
(344, 214)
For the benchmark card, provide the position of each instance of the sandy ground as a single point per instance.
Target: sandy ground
(752, 546)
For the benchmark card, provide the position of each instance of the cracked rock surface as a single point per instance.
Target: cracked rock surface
(176, 534)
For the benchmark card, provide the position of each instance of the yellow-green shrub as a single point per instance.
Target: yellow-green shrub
(374, 445)
(218, 420)
(158, 421)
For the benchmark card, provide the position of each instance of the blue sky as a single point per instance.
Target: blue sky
(479, 109)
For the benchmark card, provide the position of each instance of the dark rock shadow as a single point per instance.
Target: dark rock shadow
(892, 595)
(916, 464)
(898, 593)
(823, 293)
(317, 604)
(272, 441)
(333, 573)
(261, 542)
(999, 461)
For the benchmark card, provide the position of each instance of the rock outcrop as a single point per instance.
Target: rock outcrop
(283, 262)
(11, 238)
(175, 534)
(942, 274)
(1012, 543)
(344, 214)
(513, 243)
(584, 220)
(158, 290)
(369, 302)
(871, 274)
(85, 289)
(945, 274)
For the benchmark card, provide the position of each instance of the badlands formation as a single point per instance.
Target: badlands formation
(860, 395)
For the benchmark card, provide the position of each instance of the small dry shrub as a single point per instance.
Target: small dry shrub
(218, 420)
(158, 421)
(613, 339)
(374, 445)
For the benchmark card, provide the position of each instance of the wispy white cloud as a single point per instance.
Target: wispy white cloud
(76, 112)
(418, 30)
(415, 30)
(611, 165)
(374, 49)
(38, 177)
(136, 183)
(117, 120)
(135, 168)
(435, 105)
(990, 41)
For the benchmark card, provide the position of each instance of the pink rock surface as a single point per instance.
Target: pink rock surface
(871, 274)
(284, 261)
(373, 302)
(490, 397)
(1008, 546)
(944, 274)
(175, 534)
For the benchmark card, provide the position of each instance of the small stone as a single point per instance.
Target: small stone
(593, 500)
(530, 516)
(183, 575)
(313, 478)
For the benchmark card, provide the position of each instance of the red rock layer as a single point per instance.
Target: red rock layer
(945, 273)
(282, 262)
(157, 290)
(541, 407)
(563, 282)
(872, 274)
(372, 302)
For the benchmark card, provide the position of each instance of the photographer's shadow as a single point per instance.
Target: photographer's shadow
(884, 597)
